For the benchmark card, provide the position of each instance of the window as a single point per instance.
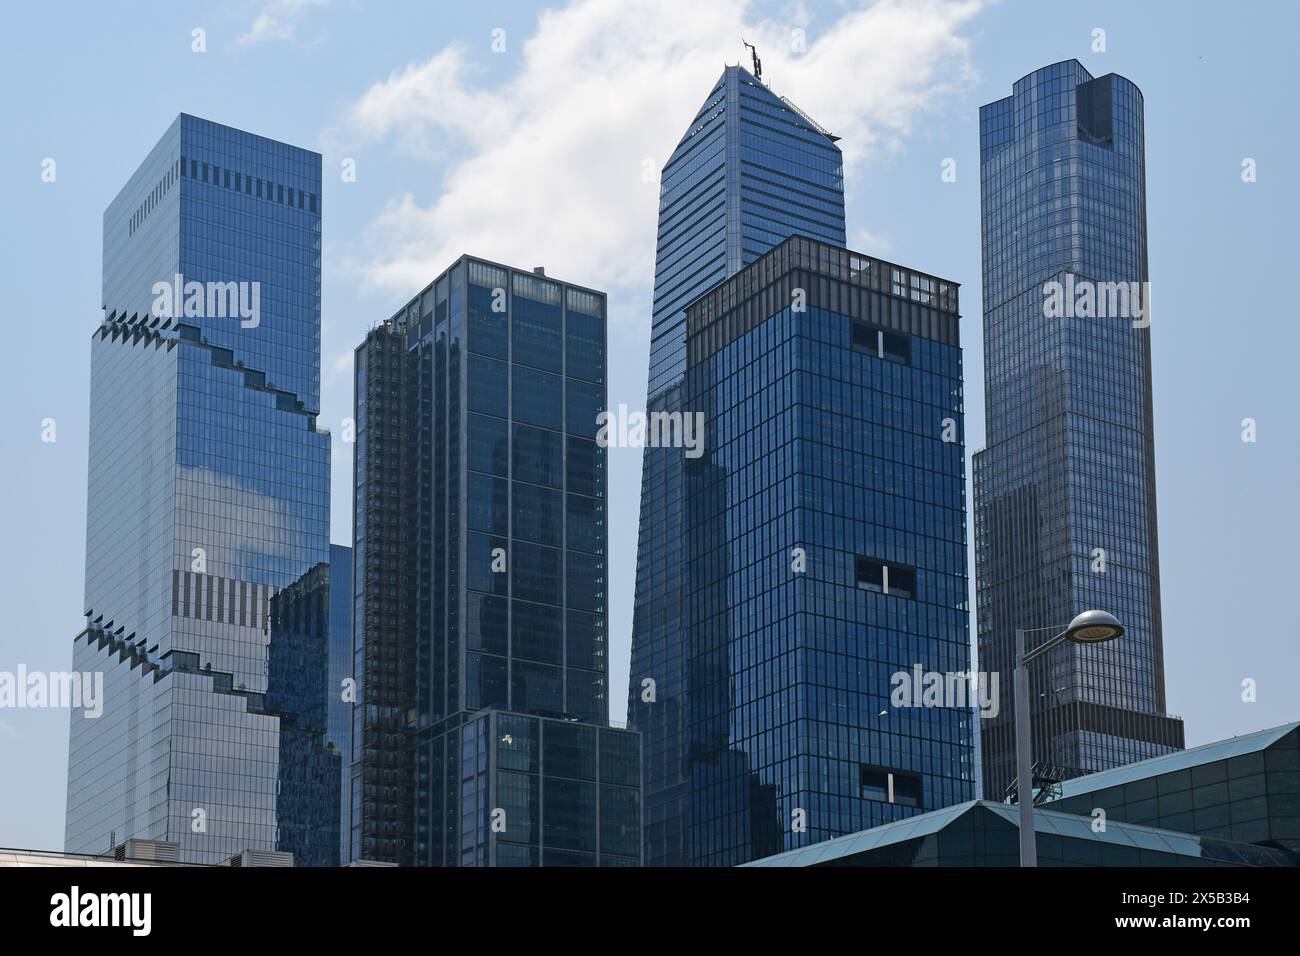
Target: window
(487, 326)
(585, 346)
(882, 344)
(874, 784)
(585, 527)
(898, 580)
(488, 445)
(538, 631)
(583, 407)
(536, 331)
(586, 467)
(907, 789)
(537, 514)
(537, 398)
(538, 456)
(488, 504)
(489, 387)
(889, 786)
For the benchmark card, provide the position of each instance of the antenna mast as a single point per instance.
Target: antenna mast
(758, 64)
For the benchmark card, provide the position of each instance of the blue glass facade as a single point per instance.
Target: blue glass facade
(208, 496)
(826, 379)
(480, 544)
(1065, 490)
(750, 171)
(310, 771)
(339, 735)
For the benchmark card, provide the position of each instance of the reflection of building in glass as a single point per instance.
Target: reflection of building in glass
(825, 531)
(481, 734)
(298, 693)
(1065, 491)
(208, 492)
(339, 735)
(751, 170)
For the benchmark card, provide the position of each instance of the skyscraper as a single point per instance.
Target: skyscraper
(825, 527)
(482, 733)
(208, 498)
(751, 170)
(1065, 491)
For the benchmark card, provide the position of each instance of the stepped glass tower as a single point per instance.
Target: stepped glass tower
(207, 532)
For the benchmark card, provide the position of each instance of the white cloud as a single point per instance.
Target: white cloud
(547, 168)
(278, 20)
(866, 241)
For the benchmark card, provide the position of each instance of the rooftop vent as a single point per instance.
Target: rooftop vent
(147, 851)
(262, 858)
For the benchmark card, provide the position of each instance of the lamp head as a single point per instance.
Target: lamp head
(1094, 627)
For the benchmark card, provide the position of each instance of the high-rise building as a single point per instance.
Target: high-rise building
(481, 735)
(751, 170)
(1065, 490)
(208, 498)
(825, 529)
(341, 693)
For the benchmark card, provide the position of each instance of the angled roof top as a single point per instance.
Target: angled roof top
(1045, 821)
(921, 825)
(797, 116)
(1181, 760)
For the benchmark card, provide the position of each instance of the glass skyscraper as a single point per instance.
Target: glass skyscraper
(482, 734)
(825, 528)
(208, 509)
(750, 171)
(1065, 491)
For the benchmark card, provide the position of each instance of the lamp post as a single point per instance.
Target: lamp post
(1090, 627)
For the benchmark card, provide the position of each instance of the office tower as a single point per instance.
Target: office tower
(208, 496)
(1065, 490)
(481, 735)
(384, 552)
(750, 171)
(342, 694)
(826, 531)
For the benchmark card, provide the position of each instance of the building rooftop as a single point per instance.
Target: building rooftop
(1180, 760)
(1048, 822)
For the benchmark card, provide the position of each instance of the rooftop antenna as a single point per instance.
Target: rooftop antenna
(758, 64)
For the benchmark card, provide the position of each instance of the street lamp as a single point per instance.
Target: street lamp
(1090, 627)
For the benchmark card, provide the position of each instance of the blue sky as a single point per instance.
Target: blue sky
(523, 132)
